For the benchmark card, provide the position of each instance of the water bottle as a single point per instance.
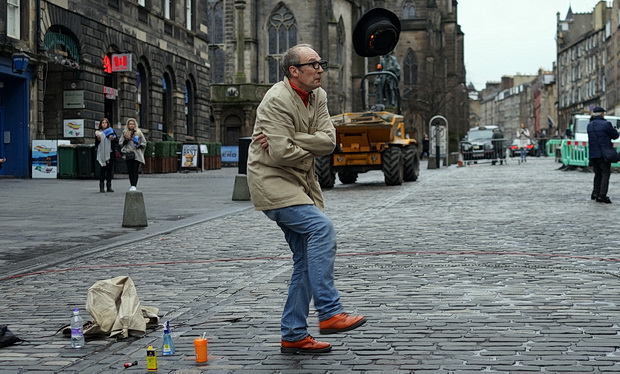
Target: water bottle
(167, 347)
(77, 332)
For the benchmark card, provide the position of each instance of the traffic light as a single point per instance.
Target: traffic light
(376, 33)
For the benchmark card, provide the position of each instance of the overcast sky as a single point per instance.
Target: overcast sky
(508, 37)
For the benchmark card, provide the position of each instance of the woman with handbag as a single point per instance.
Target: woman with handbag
(106, 143)
(133, 143)
(601, 153)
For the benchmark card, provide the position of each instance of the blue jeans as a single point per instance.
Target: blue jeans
(312, 238)
(523, 153)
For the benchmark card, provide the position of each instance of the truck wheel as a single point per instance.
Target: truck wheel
(323, 169)
(392, 165)
(347, 177)
(411, 161)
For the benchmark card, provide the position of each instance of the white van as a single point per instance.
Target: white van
(580, 125)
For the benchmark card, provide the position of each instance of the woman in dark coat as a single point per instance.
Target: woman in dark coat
(106, 143)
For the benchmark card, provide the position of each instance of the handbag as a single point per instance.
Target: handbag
(129, 156)
(610, 155)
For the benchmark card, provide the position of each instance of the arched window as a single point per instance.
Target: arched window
(410, 70)
(215, 21)
(189, 108)
(142, 96)
(110, 87)
(408, 9)
(215, 25)
(282, 34)
(167, 115)
(341, 37)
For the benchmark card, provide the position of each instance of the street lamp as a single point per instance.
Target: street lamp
(20, 62)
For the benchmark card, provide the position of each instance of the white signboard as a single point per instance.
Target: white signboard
(73, 128)
(44, 159)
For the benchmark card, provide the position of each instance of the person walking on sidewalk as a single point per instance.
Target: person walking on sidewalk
(523, 134)
(292, 128)
(106, 143)
(133, 143)
(600, 134)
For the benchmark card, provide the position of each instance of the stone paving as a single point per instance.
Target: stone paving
(494, 269)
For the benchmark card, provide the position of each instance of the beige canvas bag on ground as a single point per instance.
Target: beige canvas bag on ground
(116, 310)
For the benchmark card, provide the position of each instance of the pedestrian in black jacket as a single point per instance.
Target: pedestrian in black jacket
(600, 134)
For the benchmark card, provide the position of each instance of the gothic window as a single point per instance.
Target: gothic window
(410, 70)
(215, 21)
(408, 9)
(216, 56)
(282, 34)
(215, 25)
(340, 36)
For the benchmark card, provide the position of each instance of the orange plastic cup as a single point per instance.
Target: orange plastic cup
(202, 351)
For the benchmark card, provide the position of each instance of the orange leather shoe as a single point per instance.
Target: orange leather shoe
(341, 322)
(305, 345)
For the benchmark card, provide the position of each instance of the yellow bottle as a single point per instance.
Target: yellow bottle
(151, 358)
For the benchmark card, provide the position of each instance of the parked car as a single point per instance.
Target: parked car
(483, 142)
(516, 151)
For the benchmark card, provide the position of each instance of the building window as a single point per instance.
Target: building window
(110, 104)
(13, 21)
(340, 38)
(215, 22)
(189, 109)
(188, 14)
(114, 4)
(282, 34)
(167, 9)
(167, 120)
(216, 56)
(410, 70)
(215, 25)
(142, 3)
(408, 9)
(142, 93)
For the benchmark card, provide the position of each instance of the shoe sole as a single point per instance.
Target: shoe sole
(348, 328)
(304, 351)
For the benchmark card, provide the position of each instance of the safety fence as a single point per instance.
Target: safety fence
(576, 153)
(552, 146)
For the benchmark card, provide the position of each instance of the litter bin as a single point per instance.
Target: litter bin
(67, 161)
(85, 161)
(244, 145)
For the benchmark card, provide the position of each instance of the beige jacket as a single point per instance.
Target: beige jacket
(130, 146)
(283, 175)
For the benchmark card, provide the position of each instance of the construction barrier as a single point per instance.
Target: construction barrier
(552, 146)
(576, 153)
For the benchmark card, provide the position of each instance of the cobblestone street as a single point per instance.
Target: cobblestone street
(495, 269)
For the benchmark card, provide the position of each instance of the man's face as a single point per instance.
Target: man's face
(306, 77)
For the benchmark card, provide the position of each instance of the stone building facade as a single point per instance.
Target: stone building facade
(118, 59)
(527, 99)
(585, 67)
(430, 53)
(196, 70)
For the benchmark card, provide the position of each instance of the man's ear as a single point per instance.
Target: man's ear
(294, 71)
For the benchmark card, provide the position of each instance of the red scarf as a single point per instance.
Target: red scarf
(305, 96)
